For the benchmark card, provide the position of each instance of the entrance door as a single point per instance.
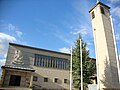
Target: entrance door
(15, 80)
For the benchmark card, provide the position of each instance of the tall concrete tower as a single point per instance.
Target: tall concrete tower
(105, 45)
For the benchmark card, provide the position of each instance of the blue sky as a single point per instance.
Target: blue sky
(50, 24)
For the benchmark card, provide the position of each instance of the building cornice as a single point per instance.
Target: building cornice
(24, 46)
(100, 4)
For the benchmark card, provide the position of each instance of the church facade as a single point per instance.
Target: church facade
(34, 68)
(28, 68)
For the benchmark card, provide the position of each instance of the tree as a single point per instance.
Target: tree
(88, 66)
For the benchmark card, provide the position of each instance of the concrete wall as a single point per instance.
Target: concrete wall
(25, 77)
(27, 60)
(105, 49)
(51, 74)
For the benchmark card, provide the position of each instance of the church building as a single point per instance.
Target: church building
(30, 68)
(34, 68)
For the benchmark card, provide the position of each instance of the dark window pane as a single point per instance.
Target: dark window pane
(45, 79)
(65, 81)
(35, 60)
(49, 61)
(93, 15)
(102, 10)
(56, 80)
(53, 62)
(35, 78)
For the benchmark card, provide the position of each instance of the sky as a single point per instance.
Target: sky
(50, 24)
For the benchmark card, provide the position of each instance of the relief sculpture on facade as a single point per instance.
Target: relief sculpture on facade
(18, 57)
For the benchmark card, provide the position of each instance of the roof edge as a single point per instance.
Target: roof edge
(97, 4)
(17, 68)
(38, 48)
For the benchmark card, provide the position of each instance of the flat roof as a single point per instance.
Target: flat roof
(37, 48)
(100, 4)
(18, 68)
(43, 49)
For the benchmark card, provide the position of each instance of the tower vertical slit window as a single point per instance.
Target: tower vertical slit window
(93, 15)
(102, 10)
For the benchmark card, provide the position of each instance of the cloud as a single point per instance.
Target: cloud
(10, 33)
(2, 62)
(64, 50)
(117, 36)
(4, 40)
(11, 27)
(114, 1)
(116, 11)
(7, 37)
(82, 30)
(19, 33)
(15, 30)
(64, 38)
(89, 43)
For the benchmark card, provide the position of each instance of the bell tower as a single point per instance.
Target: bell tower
(105, 45)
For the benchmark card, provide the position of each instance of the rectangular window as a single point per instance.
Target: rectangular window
(50, 61)
(93, 15)
(35, 60)
(38, 60)
(35, 78)
(56, 80)
(45, 62)
(53, 62)
(65, 65)
(45, 79)
(102, 10)
(57, 63)
(61, 64)
(68, 65)
(65, 81)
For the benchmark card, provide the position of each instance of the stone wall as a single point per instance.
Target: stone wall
(26, 57)
(25, 77)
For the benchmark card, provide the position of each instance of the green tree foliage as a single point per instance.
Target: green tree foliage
(88, 67)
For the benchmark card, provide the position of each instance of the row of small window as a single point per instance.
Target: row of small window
(52, 62)
(102, 11)
(56, 80)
